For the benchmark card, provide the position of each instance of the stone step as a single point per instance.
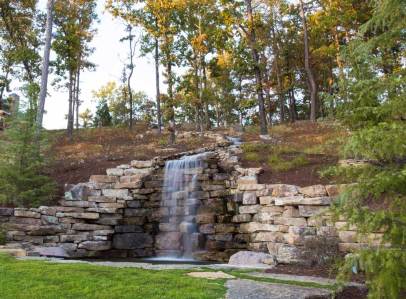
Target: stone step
(16, 252)
(245, 289)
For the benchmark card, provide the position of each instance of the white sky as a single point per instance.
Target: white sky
(109, 56)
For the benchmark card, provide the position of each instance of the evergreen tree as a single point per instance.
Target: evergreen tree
(23, 181)
(376, 113)
(103, 117)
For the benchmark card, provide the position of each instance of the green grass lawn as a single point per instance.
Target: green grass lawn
(37, 279)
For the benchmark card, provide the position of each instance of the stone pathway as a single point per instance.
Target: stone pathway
(248, 289)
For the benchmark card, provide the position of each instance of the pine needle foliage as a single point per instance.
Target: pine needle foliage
(376, 115)
(23, 182)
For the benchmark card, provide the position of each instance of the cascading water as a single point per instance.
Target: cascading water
(181, 185)
(236, 141)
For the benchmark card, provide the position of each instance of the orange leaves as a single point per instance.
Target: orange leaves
(199, 43)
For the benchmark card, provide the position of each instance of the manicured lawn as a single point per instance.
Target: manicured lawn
(36, 279)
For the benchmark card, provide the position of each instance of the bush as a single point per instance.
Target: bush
(22, 165)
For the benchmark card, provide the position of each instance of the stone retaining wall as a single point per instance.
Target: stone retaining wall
(120, 214)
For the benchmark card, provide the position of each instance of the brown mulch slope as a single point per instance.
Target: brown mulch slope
(317, 142)
(92, 151)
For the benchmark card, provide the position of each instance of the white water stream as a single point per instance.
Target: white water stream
(181, 185)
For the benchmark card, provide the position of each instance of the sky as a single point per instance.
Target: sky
(109, 57)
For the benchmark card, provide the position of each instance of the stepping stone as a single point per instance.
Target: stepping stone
(248, 289)
(16, 252)
(302, 278)
(211, 275)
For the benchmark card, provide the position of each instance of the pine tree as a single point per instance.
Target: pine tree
(23, 181)
(103, 117)
(376, 112)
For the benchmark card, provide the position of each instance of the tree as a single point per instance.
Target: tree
(310, 77)
(103, 117)
(19, 44)
(86, 117)
(23, 181)
(74, 30)
(376, 113)
(45, 65)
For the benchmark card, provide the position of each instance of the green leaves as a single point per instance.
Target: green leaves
(376, 111)
(384, 142)
(22, 167)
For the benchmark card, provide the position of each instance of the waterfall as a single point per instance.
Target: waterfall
(236, 141)
(180, 193)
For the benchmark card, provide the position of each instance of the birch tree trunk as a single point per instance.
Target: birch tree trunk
(70, 112)
(77, 89)
(130, 92)
(45, 67)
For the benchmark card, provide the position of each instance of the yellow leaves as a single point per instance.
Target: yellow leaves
(199, 43)
(225, 60)
(105, 91)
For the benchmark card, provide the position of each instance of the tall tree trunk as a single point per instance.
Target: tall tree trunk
(310, 77)
(158, 92)
(267, 93)
(73, 100)
(3, 87)
(275, 49)
(70, 112)
(199, 96)
(258, 74)
(172, 125)
(130, 92)
(292, 105)
(77, 89)
(45, 68)
(218, 115)
(206, 102)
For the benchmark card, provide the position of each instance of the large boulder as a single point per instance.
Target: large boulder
(250, 259)
(77, 192)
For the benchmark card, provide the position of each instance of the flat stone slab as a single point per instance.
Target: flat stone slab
(302, 278)
(248, 289)
(16, 252)
(289, 277)
(250, 259)
(211, 275)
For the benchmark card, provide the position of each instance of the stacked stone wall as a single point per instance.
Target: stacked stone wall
(121, 214)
